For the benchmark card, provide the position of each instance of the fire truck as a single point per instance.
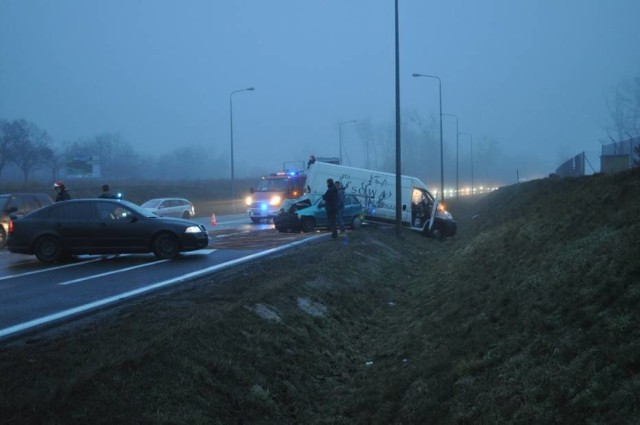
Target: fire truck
(266, 199)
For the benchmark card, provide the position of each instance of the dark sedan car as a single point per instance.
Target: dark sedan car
(101, 226)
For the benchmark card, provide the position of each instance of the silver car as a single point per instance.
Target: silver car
(170, 207)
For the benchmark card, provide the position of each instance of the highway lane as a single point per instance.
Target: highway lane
(33, 294)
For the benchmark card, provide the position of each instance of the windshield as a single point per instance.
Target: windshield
(273, 185)
(152, 203)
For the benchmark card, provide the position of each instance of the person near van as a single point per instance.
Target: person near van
(312, 160)
(62, 191)
(340, 205)
(106, 192)
(330, 198)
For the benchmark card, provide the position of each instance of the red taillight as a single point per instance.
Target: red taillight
(10, 226)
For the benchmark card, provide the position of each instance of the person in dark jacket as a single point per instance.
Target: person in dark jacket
(106, 192)
(331, 205)
(340, 205)
(62, 191)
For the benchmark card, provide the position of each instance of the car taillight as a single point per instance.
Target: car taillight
(10, 229)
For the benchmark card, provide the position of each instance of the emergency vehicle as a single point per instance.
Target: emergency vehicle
(266, 199)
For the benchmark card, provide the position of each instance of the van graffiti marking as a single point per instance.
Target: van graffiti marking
(372, 191)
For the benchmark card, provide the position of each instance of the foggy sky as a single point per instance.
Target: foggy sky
(533, 75)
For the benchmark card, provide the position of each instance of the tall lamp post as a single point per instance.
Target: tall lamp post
(441, 152)
(471, 136)
(457, 134)
(233, 182)
(340, 131)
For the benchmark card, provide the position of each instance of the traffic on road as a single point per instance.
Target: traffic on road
(37, 294)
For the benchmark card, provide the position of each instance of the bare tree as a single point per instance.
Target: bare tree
(52, 161)
(7, 148)
(624, 111)
(30, 146)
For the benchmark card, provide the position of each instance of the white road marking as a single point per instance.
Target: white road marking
(21, 327)
(49, 269)
(126, 269)
(200, 251)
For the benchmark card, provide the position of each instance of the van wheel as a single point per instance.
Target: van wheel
(308, 223)
(166, 246)
(3, 238)
(436, 233)
(356, 223)
(49, 249)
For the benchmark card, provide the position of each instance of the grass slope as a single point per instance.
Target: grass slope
(529, 315)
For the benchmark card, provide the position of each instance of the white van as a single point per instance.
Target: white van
(376, 191)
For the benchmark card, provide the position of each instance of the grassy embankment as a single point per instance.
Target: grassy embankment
(529, 315)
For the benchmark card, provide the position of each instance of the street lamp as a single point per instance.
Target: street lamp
(441, 153)
(340, 131)
(457, 134)
(471, 136)
(233, 182)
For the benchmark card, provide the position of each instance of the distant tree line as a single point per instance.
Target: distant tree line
(28, 152)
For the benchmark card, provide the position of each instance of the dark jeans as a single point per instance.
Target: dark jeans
(331, 222)
(340, 219)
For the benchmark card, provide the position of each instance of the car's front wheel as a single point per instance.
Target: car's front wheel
(49, 249)
(308, 223)
(256, 220)
(166, 246)
(356, 223)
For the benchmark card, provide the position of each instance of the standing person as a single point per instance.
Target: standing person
(106, 192)
(331, 205)
(62, 191)
(340, 205)
(312, 160)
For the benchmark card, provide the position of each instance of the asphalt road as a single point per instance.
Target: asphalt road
(35, 295)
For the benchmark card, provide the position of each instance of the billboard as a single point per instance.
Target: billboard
(83, 167)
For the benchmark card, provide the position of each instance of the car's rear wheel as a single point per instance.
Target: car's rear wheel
(308, 223)
(166, 246)
(3, 237)
(356, 223)
(49, 249)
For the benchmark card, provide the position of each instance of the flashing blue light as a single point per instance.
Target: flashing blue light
(263, 207)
